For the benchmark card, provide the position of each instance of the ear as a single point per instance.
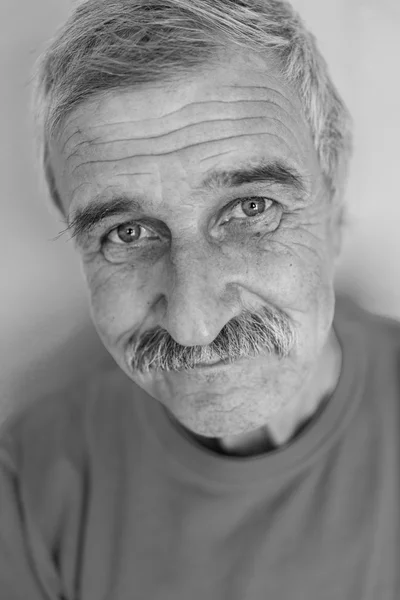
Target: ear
(338, 232)
(336, 228)
(338, 206)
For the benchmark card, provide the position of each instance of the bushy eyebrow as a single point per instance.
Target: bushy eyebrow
(275, 172)
(84, 220)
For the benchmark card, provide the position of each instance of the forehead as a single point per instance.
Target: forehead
(217, 116)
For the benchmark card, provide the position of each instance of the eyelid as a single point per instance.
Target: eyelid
(114, 229)
(232, 205)
(136, 222)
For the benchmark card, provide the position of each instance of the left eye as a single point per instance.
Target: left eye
(249, 208)
(128, 234)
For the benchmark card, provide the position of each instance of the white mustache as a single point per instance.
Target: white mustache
(248, 335)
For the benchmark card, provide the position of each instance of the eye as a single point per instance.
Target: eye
(249, 209)
(128, 233)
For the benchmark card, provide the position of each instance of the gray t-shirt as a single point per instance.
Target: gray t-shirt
(102, 497)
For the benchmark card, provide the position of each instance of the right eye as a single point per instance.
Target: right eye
(127, 234)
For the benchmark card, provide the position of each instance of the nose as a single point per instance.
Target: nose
(199, 296)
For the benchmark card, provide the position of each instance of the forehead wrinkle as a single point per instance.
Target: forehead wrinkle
(219, 154)
(165, 136)
(267, 88)
(268, 100)
(190, 105)
(74, 120)
(78, 130)
(175, 151)
(88, 183)
(85, 141)
(94, 142)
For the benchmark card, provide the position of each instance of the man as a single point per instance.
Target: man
(247, 444)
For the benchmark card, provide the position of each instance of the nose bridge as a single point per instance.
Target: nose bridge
(198, 301)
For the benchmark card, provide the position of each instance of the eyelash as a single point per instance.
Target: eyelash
(250, 221)
(247, 221)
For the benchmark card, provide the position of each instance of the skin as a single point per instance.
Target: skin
(190, 276)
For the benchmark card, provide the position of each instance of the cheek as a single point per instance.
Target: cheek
(313, 303)
(116, 301)
(299, 280)
(288, 279)
(311, 293)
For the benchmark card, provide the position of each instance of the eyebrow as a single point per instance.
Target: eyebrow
(84, 220)
(276, 172)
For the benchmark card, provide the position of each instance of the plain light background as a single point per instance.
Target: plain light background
(45, 331)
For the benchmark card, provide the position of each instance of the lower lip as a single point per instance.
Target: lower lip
(218, 365)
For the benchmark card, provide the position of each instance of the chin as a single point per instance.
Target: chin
(225, 402)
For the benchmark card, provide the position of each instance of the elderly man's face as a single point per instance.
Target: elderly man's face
(182, 257)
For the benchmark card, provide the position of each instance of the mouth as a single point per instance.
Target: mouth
(209, 365)
(216, 363)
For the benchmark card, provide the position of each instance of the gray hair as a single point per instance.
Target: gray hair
(115, 45)
(251, 334)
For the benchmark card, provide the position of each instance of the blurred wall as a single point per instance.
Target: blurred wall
(46, 336)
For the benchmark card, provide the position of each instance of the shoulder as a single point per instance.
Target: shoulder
(379, 334)
(51, 449)
(54, 427)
